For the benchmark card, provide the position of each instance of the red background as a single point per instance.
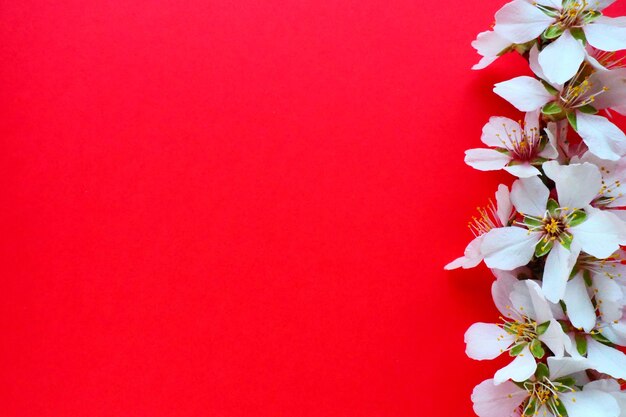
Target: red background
(241, 208)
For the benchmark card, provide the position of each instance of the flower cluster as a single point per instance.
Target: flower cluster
(554, 239)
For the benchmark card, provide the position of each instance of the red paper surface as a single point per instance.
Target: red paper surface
(241, 208)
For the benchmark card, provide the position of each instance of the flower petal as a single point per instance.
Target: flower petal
(520, 369)
(559, 265)
(520, 22)
(530, 196)
(525, 93)
(603, 138)
(492, 400)
(509, 247)
(503, 203)
(576, 185)
(471, 258)
(496, 133)
(600, 234)
(489, 45)
(525, 170)
(607, 33)
(561, 59)
(609, 297)
(560, 367)
(606, 359)
(486, 341)
(580, 310)
(590, 403)
(501, 290)
(556, 339)
(486, 159)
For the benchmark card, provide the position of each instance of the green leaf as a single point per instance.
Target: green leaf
(542, 328)
(517, 349)
(576, 218)
(581, 344)
(543, 247)
(553, 32)
(542, 371)
(536, 349)
(571, 117)
(587, 278)
(588, 109)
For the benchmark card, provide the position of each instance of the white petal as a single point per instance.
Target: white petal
(606, 385)
(557, 4)
(471, 258)
(531, 122)
(492, 400)
(606, 359)
(509, 247)
(486, 341)
(560, 367)
(580, 310)
(496, 132)
(590, 403)
(541, 308)
(520, 369)
(533, 61)
(486, 159)
(599, 5)
(503, 203)
(530, 196)
(615, 83)
(609, 297)
(561, 59)
(550, 152)
(600, 234)
(576, 185)
(607, 33)
(603, 138)
(522, 171)
(525, 93)
(501, 290)
(520, 21)
(521, 300)
(616, 333)
(559, 265)
(555, 339)
(489, 44)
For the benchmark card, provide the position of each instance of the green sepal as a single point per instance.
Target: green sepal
(531, 407)
(587, 278)
(566, 240)
(542, 328)
(600, 338)
(576, 218)
(575, 271)
(578, 34)
(553, 32)
(581, 344)
(542, 371)
(543, 248)
(550, 89)
(552, 108)
(566, 380)
(590, 15)
(532, 222)
(517, 349)
(588, 109)
(552, 206)
(571, 117)
(560, 408)
(550, 11)
(536, 349)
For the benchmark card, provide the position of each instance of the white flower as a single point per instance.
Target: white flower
(579, 98)
(518, 146)
(550, 393)
(521, 21)
(611, 196)
(490, 46)
(528, 323)
(492, 217)
(558, 229)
